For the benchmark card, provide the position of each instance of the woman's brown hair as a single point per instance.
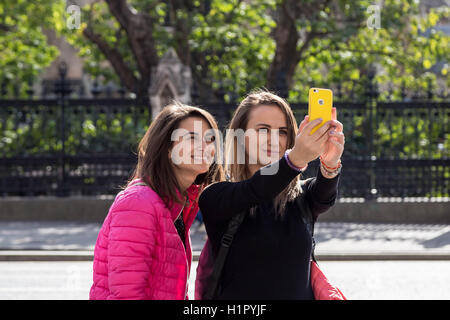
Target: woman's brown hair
(238, 172)
(154, 165)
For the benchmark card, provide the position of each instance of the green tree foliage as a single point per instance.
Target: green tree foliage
(234, 45)
(227, 44)
(24, 51)
(403, 49)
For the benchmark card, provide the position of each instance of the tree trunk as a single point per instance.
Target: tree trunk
(139, 30)
(290, 44)
(283, 65)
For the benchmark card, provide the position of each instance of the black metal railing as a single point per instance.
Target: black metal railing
(402, 150)
(69, 146)
(81, 147)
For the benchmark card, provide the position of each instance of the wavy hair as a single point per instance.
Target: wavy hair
(238, 172)
(155, 167)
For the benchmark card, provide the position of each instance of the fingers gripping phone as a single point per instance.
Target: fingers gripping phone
(320, 103)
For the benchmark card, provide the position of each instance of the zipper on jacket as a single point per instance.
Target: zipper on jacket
(185, 260)
(187, 264)
(187, 277)
(181, 211)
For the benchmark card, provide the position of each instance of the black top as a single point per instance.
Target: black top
(269, 257)
(181, 228)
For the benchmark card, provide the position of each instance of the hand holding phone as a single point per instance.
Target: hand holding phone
(320, 104)
(308, 146)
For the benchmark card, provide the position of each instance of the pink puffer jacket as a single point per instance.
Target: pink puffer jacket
(138, 253)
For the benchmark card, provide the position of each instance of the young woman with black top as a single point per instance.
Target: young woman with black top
(270, 255)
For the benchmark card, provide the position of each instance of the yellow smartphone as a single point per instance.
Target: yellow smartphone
(320, 103)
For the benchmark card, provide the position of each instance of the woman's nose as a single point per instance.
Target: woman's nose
(200, 145)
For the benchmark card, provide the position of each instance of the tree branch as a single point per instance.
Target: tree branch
(139, 28)
(121, 11)
(114, 57)
(289, 52)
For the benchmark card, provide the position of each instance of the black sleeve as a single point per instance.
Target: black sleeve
(321, 193)
(221, 200)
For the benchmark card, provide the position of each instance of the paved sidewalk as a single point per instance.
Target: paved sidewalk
(71, 241)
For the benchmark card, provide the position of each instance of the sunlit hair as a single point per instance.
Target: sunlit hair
(154, 164)
(236, 171)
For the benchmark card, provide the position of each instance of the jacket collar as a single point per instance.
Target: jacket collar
(175, 207)
(192, 196)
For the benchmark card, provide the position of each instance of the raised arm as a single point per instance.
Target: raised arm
(221, 200)
(321, 193)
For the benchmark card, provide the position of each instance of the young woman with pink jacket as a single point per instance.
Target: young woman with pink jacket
(143, 250)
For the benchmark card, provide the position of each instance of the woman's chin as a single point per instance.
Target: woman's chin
(264, 161)
(200, 168)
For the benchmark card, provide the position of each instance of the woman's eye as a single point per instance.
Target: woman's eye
(209, 138)
(283, 132)
(194, 137)
(262, 130)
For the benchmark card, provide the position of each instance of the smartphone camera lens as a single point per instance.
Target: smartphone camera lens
(315, 90)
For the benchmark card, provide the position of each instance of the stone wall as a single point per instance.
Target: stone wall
(94, 209)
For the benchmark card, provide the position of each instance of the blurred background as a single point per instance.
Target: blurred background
(81, 80)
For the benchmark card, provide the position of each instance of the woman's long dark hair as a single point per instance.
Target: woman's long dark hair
(154, 165)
